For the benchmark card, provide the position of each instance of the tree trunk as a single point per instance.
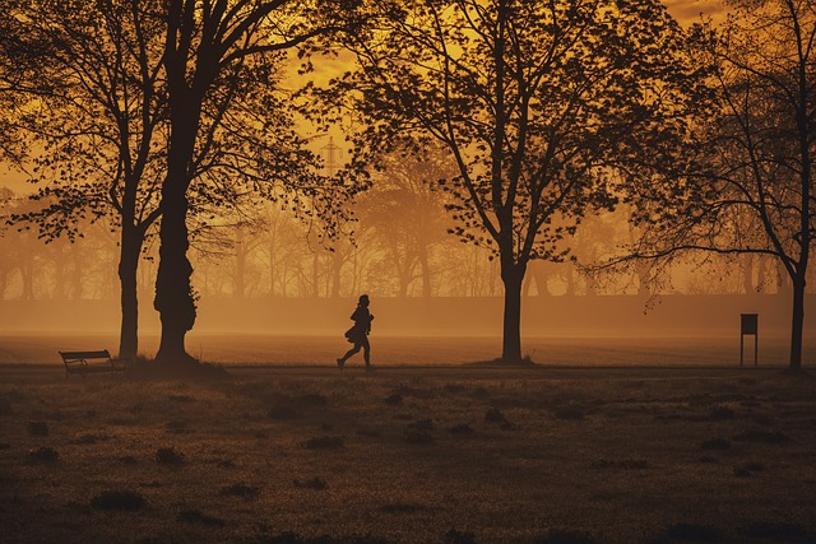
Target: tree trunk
(174, 296)
(511, 331)
(570, 280)
(271, 270)
(239, 285)
(131, 248)
(315, 276)
(337, 269)
(797, 323)
(425, 270)
(27, 273)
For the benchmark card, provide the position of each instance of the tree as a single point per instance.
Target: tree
(98, 127)
(405, 210)
(538, 103)
(748, 187)
(207, 44)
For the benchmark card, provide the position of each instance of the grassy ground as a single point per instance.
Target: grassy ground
(410, 455)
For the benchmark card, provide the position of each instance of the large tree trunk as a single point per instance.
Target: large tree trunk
(174, 298)
(797, 322)
(174, 295)
(131, 248)
(511, 330)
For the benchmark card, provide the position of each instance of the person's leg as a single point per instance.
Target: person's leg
(366, 351)
(350, 352)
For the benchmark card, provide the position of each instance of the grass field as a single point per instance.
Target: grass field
(445, 454)
(423, 350)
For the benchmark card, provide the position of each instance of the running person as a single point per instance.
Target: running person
(358, 333)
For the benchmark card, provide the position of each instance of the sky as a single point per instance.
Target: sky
(688, 10)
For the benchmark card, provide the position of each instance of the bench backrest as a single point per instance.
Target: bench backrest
(71, 356)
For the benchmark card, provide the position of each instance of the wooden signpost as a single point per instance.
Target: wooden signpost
(749, 325)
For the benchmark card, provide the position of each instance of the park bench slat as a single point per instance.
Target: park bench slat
(102, 354)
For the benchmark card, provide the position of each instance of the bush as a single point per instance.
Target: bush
(494, 415)
(459, 537)
(564, 536)
(194, 516)
(45, 456)
(241, 490)
(569, 413)
(315, 484)
(778, 531)
(124, 499)
(461, 429)
(38, 428)
(169, 456)
(403, 508)
(418, 437)
(324, 442)
(422, 425)
(693, 532)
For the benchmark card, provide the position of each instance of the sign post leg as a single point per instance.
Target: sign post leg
(756, 349)
(742, 348)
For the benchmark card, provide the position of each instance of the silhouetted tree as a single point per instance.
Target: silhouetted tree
(405, 208)
(539, 103)
(97, 127)
(748, 189)
(208, 45)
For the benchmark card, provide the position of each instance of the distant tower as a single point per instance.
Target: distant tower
(332, 155)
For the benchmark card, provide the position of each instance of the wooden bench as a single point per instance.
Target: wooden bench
(84, 362)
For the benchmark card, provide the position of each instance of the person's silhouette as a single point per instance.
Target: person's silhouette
(358, 333)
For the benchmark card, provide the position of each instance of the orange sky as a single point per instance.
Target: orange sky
(688, 10)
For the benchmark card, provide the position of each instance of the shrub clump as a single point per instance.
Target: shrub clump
(119, 499)
(778, 531)
(461, 429)
(324, 442)
(194, 516)
(455, 536)
(43, 455)
(418, 437)
(693, 532)
(564, 536)
(169, 456)
(38, 428)
(315, 484)
(241, 490)
(570, 413)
